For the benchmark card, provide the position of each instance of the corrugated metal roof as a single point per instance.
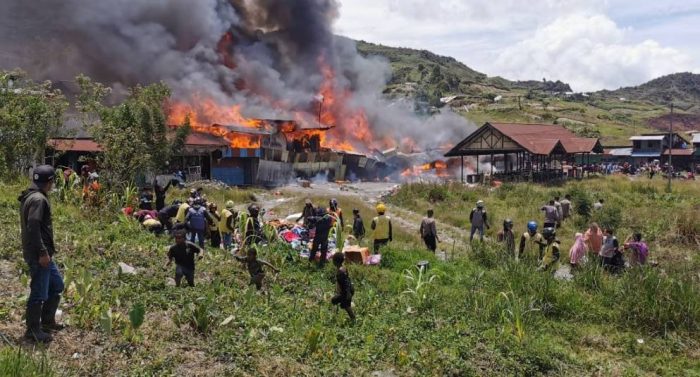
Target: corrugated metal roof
(74, 145)
(619, 152)
(646, 154)
(651, 137)
(679, 152)
(200, 138)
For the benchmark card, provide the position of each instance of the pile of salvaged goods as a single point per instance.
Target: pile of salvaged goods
(300, 239)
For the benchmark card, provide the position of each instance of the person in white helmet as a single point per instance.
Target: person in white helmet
(479, 220)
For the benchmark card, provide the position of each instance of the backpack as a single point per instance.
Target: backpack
(198, 220)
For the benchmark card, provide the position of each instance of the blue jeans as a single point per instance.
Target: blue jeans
(228, 240)
(198, 234)
(46, 282)
(474, 229)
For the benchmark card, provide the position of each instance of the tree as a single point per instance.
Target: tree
(29, 114)
(133, 134)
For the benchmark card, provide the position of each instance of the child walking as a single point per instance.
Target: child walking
(344, 288)
(183, 253)
(255, 267)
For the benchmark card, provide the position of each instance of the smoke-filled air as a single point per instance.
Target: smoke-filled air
(227, 62)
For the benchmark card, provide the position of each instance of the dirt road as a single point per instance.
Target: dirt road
(453, 238)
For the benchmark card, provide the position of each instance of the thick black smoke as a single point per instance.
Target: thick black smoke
(271, 59)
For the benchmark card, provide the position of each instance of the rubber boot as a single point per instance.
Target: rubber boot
(34, 330)
(48, 314)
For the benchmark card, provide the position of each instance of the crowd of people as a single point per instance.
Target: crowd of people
(193, 221)
(649, 169)
(594, 245)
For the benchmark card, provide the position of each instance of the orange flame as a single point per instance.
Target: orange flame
(208, 112)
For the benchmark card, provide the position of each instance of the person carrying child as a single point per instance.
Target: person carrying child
(183, 252)
(255, 267)
(344, 288)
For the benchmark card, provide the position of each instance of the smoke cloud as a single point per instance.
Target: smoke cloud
(266, 55)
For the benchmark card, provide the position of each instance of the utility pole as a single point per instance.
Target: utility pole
(670, 151)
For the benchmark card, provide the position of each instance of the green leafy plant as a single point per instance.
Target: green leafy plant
(419, 286)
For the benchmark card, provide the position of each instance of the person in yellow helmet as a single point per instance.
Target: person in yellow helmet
(382, 231)
(227, 224)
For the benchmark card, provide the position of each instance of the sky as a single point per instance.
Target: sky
(590, 44)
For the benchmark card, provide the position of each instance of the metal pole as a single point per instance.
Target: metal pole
(670, 150)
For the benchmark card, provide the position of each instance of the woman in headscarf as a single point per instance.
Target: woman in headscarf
(577, 253)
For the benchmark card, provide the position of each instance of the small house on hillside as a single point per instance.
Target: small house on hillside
(658, 146)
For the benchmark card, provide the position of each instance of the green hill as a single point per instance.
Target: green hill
(612, 115)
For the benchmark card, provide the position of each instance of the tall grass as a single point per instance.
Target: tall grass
(17, 362)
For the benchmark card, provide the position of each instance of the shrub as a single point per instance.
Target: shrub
(438, 194)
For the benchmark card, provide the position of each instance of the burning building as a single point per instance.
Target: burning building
(230, 64)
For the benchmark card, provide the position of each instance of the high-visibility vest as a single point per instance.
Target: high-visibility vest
(551, 255)
(214, 226)
(381, 227)
(225, 214)
(532, 244)
(182, 212)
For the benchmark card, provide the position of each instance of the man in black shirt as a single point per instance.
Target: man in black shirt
(344, 288)
(324, 223)
(166, 214)
(183, 253)
(358, 226)
(38, 249)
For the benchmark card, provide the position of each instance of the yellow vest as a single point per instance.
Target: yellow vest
(214, 226)
(151, 223)
(381, 227)
(225, 214)
(532, 244)
(551, 256)
(182, 212)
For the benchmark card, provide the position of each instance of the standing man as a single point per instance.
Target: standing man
(551, 215)
(566, 207)
(478, 219)
(507, 237)
(382, 232)
(560, 211)
(358, 226)
(428, 231)
(306, 213)
(38, 249)
(227, 225)
(324, 223)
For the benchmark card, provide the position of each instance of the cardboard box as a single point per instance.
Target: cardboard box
(356, 254)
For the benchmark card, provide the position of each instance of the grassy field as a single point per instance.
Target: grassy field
(478, 313)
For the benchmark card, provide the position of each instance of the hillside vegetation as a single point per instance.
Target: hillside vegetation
(478, 313)
(612, 115)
